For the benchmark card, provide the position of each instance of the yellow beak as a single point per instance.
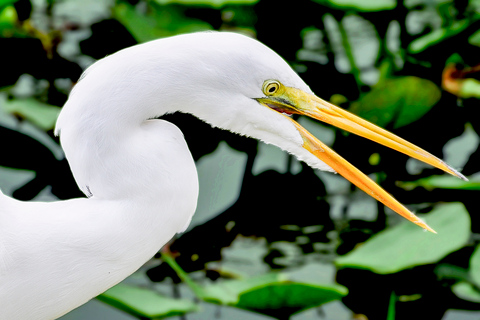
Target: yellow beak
(294, 101)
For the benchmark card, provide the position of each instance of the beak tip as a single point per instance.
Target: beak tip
(426, 227)
(457, 173)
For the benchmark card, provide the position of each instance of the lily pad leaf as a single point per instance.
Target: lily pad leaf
(228, 292)
(474, 269)
(466, 291)
(209, 3)
(141, 302)
(437, 36)
(289, 297)
(273, 292)
(157, 23)
(405, 245)
(41, 114)
(398, 101)
(470, 88)
(474, 39)
(7, 2)
(441, 182)
(360, 5)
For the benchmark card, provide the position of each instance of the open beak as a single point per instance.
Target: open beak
(294, 101)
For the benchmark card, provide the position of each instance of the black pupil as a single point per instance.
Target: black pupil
(272, 89)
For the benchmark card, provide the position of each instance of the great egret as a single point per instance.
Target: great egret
(137, 171)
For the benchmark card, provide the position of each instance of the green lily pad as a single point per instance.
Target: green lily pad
(7, 2)
(209, 3)
(474, 39)
(474, 269)
(437, 36)
(451, 272)
(470, 88)
(360, 5)
(41, 114)
(228, 292)
(398, 101)
(289, 296)
(466, 291)
(8, 15)
(272, 292)
(441, 182)
(141, 302)
(406, 245)
(157, 23)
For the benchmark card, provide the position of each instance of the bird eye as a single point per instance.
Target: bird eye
(270, 87)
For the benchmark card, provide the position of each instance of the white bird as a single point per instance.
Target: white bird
(137, 171)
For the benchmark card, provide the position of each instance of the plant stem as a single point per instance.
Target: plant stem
(170, 260)
(355, 71)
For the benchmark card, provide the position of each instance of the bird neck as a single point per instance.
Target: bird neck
(114, 151)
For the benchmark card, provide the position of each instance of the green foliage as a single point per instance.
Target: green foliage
(7, 2)
(289, 296)
(41, 114)
(475, 267)
(210, 3)
(441, 182)
(466, 291)
(159, 23)
(141, 302)
(405, 246)
(469, 288)
(398, 101)
(391, 307)
(474, 39)
(267, 293)
(273, 291)
(360, 5)
(470, 89)
(437, 36)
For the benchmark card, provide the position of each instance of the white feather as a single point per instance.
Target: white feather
(139, 172)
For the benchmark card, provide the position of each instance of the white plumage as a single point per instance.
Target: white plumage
(137, 171)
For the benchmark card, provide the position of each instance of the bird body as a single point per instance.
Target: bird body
(137, 171)
(56, 256)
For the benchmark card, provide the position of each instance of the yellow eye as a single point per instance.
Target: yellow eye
(270, 87)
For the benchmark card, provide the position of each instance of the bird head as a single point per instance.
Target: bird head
(232, 82)
(260, 92)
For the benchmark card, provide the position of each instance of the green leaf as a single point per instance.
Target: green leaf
(391, 306)
(8, 16)
(141, 302)
(441, 182)
(400, 101)
(406, 245)
(474, 39)
(9, 26)
(470, 88)
(273, 291)
(41, 114)
(454, 59)
(437, 36)
(360, 5)
(466, 291)
(164, 22)
(289, 296)
(209, 3)
(474, 269)
(7, 2)
(228, 292)
(451, 272)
